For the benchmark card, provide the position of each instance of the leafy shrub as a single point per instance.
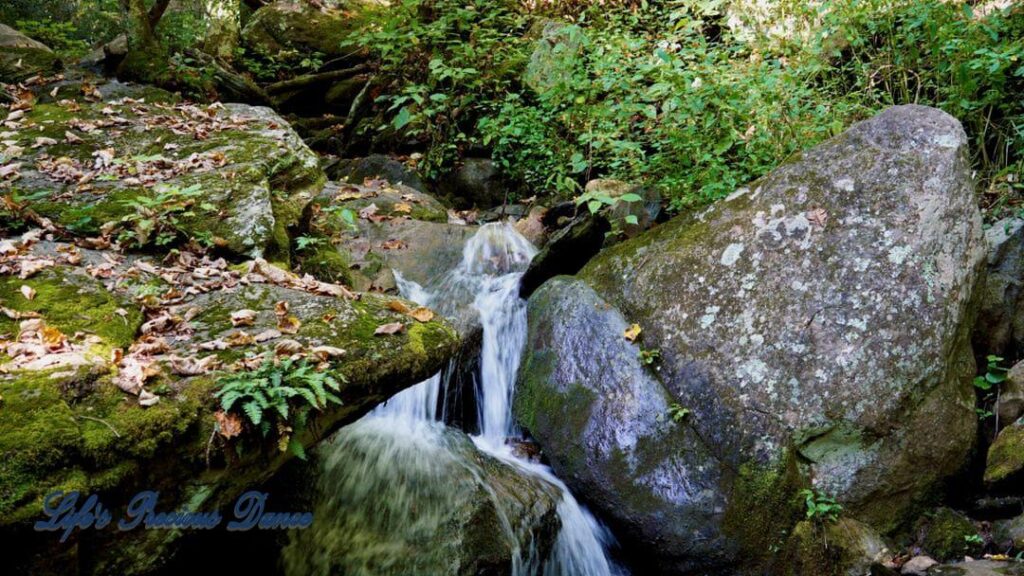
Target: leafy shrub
(662, 93)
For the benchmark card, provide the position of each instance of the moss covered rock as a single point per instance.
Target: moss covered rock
(842, 548)
(948, 535)
(1006, 456)
(22, 57)
(233, 175)
(302, 26)
(70, 425)
(387, 485)
(823, 313)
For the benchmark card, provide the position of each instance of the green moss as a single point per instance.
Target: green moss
(18, 64)
(1006, 455)
(72, 303)
(946, 534)
(38, 437)
(326, 262)
(764, 508)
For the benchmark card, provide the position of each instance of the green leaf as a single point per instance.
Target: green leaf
(631, 197)
(402, 119)
(632, 219)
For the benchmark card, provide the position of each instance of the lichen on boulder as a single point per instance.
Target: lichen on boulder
(790, 322)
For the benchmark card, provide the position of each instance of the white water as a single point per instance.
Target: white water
(493, 261)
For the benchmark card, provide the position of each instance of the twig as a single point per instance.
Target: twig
(209, 445)
(101, 421)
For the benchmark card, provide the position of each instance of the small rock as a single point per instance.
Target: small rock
(1011, 395)
(918, 566)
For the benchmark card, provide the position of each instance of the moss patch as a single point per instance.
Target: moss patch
(1006, 455)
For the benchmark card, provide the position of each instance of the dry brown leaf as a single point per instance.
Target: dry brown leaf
(288, 324)
(53, 338)
(228, 425)
(423, 314)
(399, 306)
(632, 333)
(327, 352)
(239, 338)
(403, 207)
(266, 335)
(287, 347)
(393, 244)
(281, 308)
(243, 317)
(387, 329)
(147, 398)
(368, 212)
(28, 292)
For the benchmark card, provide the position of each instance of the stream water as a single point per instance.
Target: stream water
(391, 482)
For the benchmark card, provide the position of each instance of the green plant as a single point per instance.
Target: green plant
(974, 539)
(677, 412)
(995, 374)
(305, 242)
(820, 507)
(278, 396)
(61, 36)
(159, 218)
(649, 357)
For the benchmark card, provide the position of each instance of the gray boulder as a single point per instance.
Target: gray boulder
(1000, 326)
(372, 167)
(813, 329)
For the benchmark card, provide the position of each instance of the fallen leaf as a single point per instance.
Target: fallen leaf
(287, 347)
(53, 337)
(368, 212)
(392, 328)
(818, 217)
(228, 425)
(147, 398)
(239, 338)
(423, 314)
(632, 332)
(28, 292)
(71, 138)
(243, 317)
(266, 335)
(43, 141)
(393, 244)
(399, 306)
(327, 352)
(281, 308)
(403, 207)
(288, 324)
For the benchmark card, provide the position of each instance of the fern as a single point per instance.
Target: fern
(276, 392)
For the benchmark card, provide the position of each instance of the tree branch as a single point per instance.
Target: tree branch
(310, 79)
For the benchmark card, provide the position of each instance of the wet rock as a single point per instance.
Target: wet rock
(843, 548)
(918, 566)
(1009, 534)
(373, 167)
(531, 226)
(394, 228)
(786, 321)
(234, 176)
(1011, 395)
(978, 568)
(1006, 456)
(477, 183)
(1000, 326)
(948, 535)
(567, 252)
(386, 487)
(22, 57)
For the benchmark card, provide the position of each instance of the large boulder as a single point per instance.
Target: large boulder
(154, 172)
(1000, 326)
(399, 497)
(303, 26)
(22, 57)
(110, 367)
(812, 329)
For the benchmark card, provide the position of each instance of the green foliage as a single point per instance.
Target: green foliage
(820, 507)
(649, 357)
(663, 94)
(278, 396)
(158, 218)
(307, 242)
(995, 374)
(677, 412)
(62, 36)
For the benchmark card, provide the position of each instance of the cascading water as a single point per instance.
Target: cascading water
(389, 480)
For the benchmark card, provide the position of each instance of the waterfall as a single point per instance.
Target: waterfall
(402, 449)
